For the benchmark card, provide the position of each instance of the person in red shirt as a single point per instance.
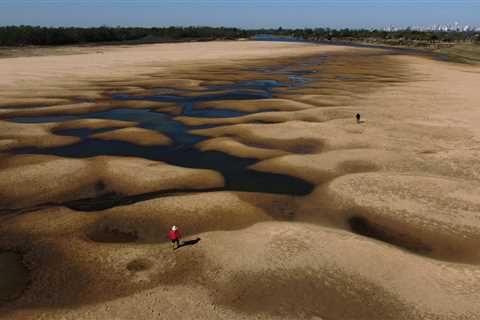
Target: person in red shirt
(174, 235)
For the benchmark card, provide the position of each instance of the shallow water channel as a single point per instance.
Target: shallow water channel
(183, 152)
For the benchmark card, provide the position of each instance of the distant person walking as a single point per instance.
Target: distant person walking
(358, 117)
(174, 235)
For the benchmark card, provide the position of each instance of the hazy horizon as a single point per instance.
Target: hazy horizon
(245, 14)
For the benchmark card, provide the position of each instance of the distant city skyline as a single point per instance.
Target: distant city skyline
(456, 26)
(393, 14)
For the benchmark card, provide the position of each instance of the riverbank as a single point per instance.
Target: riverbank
(462, 52)
(388, 228)
(459, 52)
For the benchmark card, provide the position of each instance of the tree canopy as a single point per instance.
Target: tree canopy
(32, 35)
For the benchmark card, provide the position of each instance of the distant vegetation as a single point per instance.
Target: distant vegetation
(28, 35)
(456, 46)
(462, 52)
(405, 37)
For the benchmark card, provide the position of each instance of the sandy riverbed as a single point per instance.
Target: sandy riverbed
(391, 229)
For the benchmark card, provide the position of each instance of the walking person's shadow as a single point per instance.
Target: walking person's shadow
(189, 243)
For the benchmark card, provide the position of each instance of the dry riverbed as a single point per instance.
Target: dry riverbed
(253, 148)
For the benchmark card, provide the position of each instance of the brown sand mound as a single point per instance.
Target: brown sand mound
(298, 136)
(139, 104)
(304, 271)
(314, 137)
(276, 269)
(310, 115)
(34, 102)
(438, 212)
(53, 180)
(196, 213)
(18, 135)
(238, 149)
(85, 107)
(319, 168)
(45, 179)
(254, 134)
(362, 226)
(76, 108)
(131, 176)
(93, 124)
(313, 98)
(153, 83)
(272, 270)
(255, 105)
(88, 246)
(140, 136)
(111, 88)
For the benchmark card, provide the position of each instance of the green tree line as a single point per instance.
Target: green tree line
(385, 36)
(31, 35)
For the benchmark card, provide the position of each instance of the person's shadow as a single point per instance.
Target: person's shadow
(189, 243)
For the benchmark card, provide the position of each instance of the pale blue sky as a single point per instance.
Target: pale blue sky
(239, 13)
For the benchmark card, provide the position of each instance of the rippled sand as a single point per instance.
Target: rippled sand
(391, 229)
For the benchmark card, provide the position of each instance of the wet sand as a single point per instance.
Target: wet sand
(389, 230)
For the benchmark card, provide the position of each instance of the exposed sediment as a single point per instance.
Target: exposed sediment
(15, 276)
(93, 124)
(18, 135)
(389, 231)
(238, 149)
(256, 105)
(436, 213)
(24, 185)
(82, 108)
(138, 136)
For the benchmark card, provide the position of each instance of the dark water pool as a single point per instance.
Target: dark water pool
(22, 106)
(234, 169)
(182, 152)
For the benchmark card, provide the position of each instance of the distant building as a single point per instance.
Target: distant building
(456, 26)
